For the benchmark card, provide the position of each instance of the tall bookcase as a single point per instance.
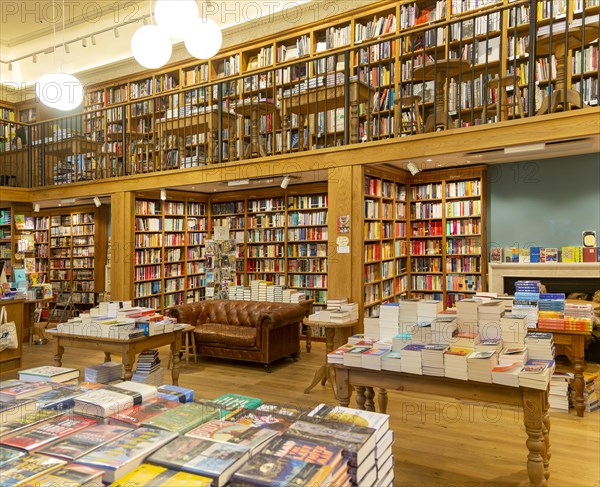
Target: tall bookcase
(169, 266)
(447, 234)
(384, 238)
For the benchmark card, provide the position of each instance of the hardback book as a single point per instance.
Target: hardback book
(126, 453)
(140, 392)
(21, 406)
(232, 401)
(378, 421)
(184, 418)
(83, 442)
(47, 432)
(62, 396)
(48, 373)
(154, 475)
(356, 441)
(71, 475)
(273, 421)
(102, 402)
(291, 410)
(27, 468)
(549, 254)
(269, 470)
(307, 451)
(203, 457)
(13, 422)
(8, 455)
(23, 391)
(176, 393)
(496, 254)
(524, 255)
(135, 415)
(246, 435)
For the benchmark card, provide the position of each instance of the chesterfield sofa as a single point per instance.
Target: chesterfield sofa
(244, 330)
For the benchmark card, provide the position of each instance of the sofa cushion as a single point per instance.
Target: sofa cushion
(220, 333)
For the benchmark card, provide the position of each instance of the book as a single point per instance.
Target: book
(47, 432)
(13, 422)
(271, 470)
(273, 421)
(307, 451)
(136, 414)
(183, 418)
(126, 453)
(23, 391)
(176, 393)
(238, 433)
(48, 373)
(203, 457)
(152, 475)
(62, 396)
(83, 442)
(378, 421)
(232, 401)
(496, 255)
(102, 402)
(8, 455)
(25, 469)
(71, 475)
(140, 392)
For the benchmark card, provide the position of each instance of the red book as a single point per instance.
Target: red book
(590, 254)
(48, 431)
(141, 412)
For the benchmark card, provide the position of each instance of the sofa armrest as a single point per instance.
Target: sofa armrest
(186, 313)
(284, 315)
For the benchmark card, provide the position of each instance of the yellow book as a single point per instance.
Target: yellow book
(155, 476)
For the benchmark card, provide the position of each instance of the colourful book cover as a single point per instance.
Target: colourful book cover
(139, 413)
(232, 401)
(48, 373)
(8, 455)
(307, 451)
(29, 467)
(20, 222)
(183, 418)
(13, 421)
(24, 390)
(71, 475)
(273, 421)
(534, 255)
(155, 475)
(249, 436)
(48, 432)
(62, 396)
(496, 255)
(378, 421)
(176, 393)
(85, 441)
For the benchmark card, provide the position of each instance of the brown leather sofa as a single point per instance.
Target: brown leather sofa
(244, 330)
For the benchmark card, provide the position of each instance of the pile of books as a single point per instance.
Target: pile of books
(590, 392)
(540, 345)
(148, 369)
(337, 311)
(233, 439)
(389, 320)
(103, 373)
(527, 296)
(551, 307)
(578, 316)
(558, 396)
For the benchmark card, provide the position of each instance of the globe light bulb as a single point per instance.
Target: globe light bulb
(175, 17)
(151, 47)
(204, 39)
(59, 90)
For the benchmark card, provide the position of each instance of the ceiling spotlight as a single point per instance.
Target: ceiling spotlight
(285, 181)
(97, 202)
(163, 194)
(36, 207)
(84, 42)
(414, 170)
(35, 59)
(116, 32)
(93, 40)
(67, 50)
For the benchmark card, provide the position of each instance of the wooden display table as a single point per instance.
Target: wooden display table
(127, 348)
(325, 372)
(534, 403)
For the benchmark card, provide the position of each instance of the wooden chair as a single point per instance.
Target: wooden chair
(502, 105)
(407, 103)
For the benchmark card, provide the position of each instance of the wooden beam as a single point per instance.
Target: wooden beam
(122, 253)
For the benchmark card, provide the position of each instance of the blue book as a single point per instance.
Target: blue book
(534, 254)
(175, 393)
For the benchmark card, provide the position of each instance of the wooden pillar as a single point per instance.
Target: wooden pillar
(122, 245)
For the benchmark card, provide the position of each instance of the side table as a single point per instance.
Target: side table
(325, 371)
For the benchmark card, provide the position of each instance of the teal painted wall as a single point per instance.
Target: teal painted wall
(546, 203)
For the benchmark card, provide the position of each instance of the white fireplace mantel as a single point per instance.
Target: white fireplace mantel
(497, 272)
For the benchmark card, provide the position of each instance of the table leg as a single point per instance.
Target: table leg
(331, 378)
(58, 352)
(107, 357)
(533, 419)
(308, 338)
(360, 397)
(128, 359)
(546, 432)
(175, 348)
(343, 390)
(369, 395)
(578, 352)
(320, 375)
(382, 400)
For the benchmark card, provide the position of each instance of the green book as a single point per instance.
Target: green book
(234, 401)
(183, 418)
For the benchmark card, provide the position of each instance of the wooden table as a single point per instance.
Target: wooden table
(572, 344)
(534, 403)
(325, 371)
(253, 110)
(439, 72)
(128, 349)
(29, 323)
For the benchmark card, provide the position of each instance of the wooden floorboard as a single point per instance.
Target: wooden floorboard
(439, 441)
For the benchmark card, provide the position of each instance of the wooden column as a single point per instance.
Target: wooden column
(122, 253)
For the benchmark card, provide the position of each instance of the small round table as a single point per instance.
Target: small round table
(253, 110)
(325, 371)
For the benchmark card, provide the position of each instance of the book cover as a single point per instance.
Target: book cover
(137, 390)
(14, 421)
(524, 255)
(183, 418)
(276, 422)
(307, 451)
(23, 391)
(496, 255)
(264, 470)
(378, 421)
(246, 435)
(83, 442)
(62, 396)
(8, 455)
(20, 222)
(232, 401)
(535, 255)
(176, 393)
(549, 254)
(29, 467)
(155, 475)
(102, 402)
(71, 475)
(202, 456)
(137, 414)
(48, 432)
(126, 453)
(21, 406)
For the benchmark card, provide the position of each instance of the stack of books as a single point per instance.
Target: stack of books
(421, 333)
(148, 369)
(536, 374)
(527, 296)
(371, 359)
(388, 320)
(175, 393)
(512, 355)
(558, 396)
(48, 373)
(371, 327)
(514, 329)
(467, 314)
(590, 392)
(540, 346)
(432, 357)
(427, 310)
(480, 366)
(455, 363)
(491, 344)
(412, 359)
(103, 373)
(443, 330)
(408, 316)
(353, 357)
(551, 307)
(489, 314)
(391, 361)
(507, 374)
(400, 340)
(579, 316)
(337, 356)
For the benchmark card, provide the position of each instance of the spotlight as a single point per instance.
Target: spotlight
(116, 32)
(97, 202)
(84, 42)
(285, 181)
(36, 207)
(93, 40)
(414, 170)
(35, 59)
(163, 194)
(10, 66)
(67, 50)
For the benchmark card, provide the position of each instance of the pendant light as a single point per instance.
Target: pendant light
(151, 47)
(59, 90)
(176, 17)
(204, 39)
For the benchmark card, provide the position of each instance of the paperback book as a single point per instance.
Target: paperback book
(137, 414)
(29, 467)
(183, 418)
(249, 436)
(48, 373)
(151, 475)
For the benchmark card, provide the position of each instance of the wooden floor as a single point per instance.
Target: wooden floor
(439, 441)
